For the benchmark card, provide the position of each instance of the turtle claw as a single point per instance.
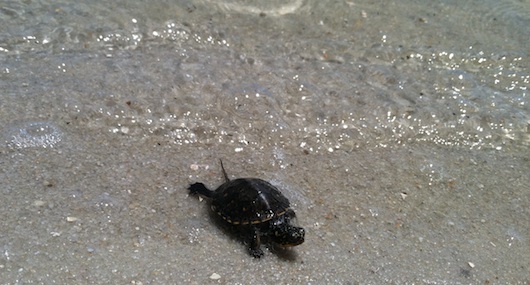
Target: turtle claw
(256, 252)
(255, 245)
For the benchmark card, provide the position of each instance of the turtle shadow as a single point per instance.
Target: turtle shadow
(239, 235)
(285, 254)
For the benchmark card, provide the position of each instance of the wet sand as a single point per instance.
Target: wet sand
(403, 151)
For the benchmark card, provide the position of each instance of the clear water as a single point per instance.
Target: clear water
(399, 130)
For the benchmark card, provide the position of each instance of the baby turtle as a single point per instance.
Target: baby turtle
(256, 208)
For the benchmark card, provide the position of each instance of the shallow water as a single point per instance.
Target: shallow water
(399, 131)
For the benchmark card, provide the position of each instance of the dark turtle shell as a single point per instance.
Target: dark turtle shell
(246, 201)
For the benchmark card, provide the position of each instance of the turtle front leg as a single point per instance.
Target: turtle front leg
(255, 244)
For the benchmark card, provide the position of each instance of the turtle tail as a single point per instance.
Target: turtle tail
(224, 171)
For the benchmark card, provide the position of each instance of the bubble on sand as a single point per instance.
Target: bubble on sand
(34, 134)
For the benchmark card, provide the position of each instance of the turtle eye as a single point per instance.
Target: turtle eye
(297, 235)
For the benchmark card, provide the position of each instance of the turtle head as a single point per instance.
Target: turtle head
(288, 235)
(285, 233)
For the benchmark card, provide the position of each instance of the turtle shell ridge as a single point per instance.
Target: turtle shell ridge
(246, 201)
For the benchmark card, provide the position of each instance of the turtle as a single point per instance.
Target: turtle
(256, 209)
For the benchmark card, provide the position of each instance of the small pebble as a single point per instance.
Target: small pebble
(471, 264)
(215, 276)
(71, 219)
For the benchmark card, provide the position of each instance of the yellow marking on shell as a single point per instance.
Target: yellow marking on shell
(268, 217)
